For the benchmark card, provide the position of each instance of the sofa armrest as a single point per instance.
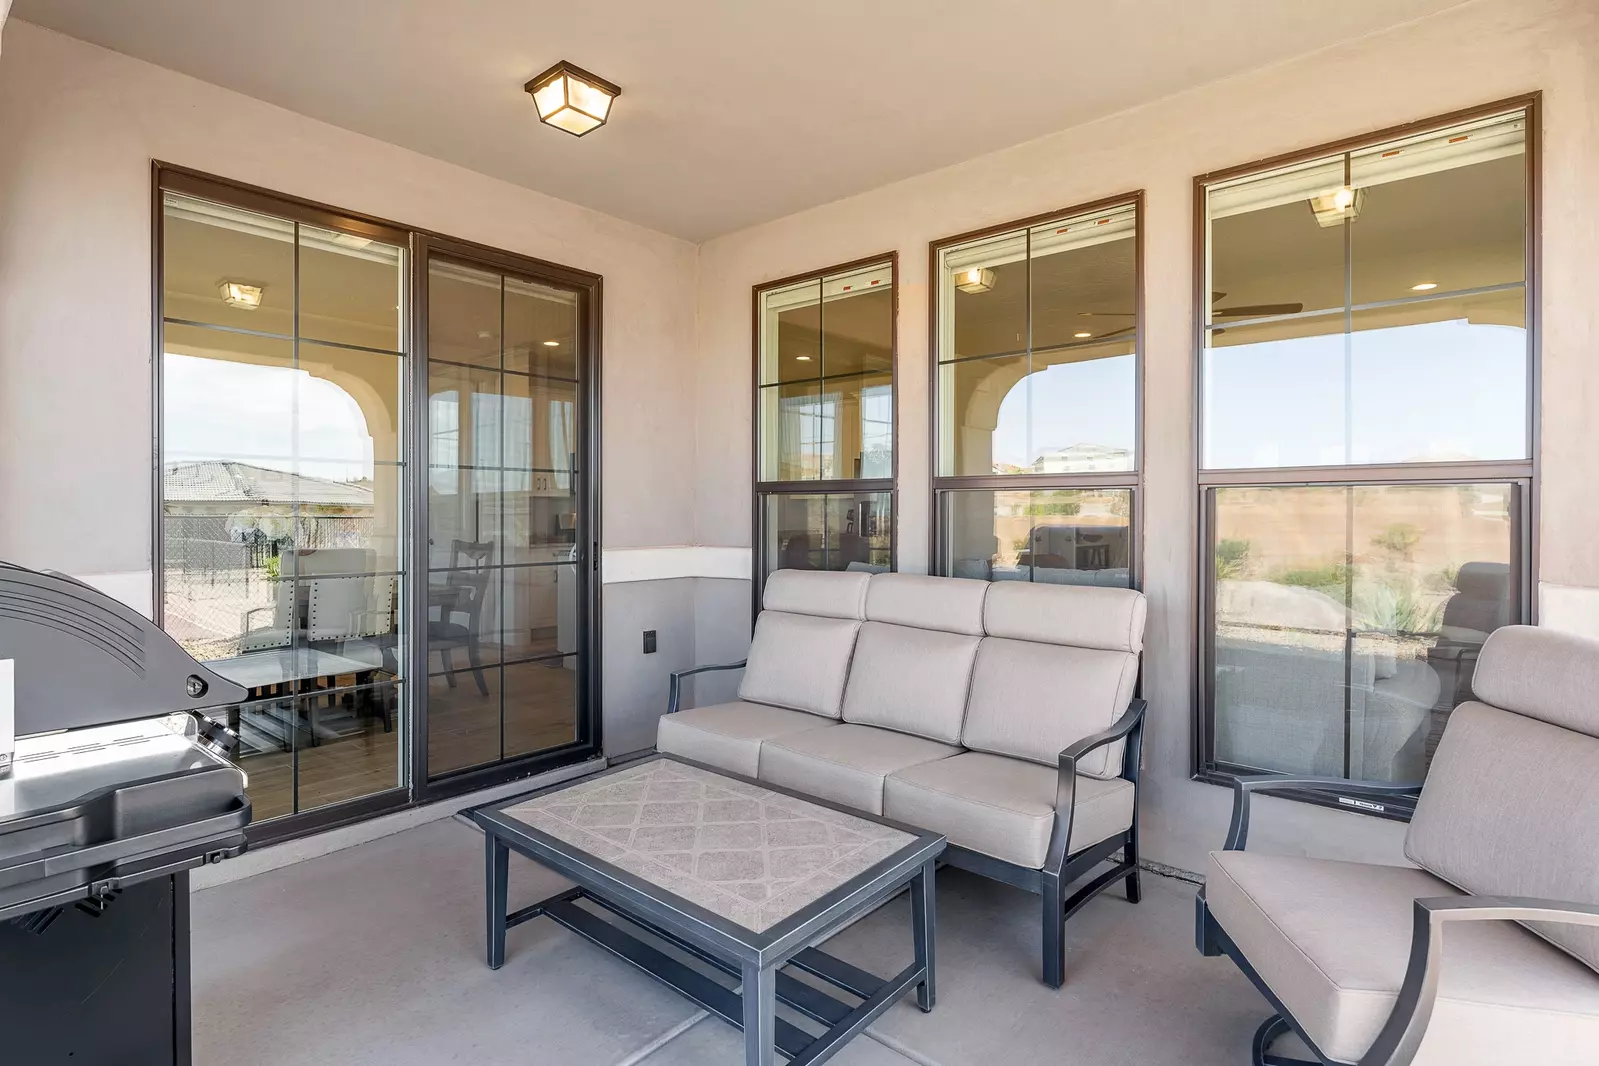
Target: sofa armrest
(1402, 1033)
(678, 676)
(1129, 726)
(1245, 786)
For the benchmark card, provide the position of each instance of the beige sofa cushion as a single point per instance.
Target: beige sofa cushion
(1511, 808)
(824, 593)
(1110, 619)
(952, 604)
(1332, 940)
(1032, 700)
(1003, 807)
(845, 763)
(911, 680)
(729, 735)
(799, 661)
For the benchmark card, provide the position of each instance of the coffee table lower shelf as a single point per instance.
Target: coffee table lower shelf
(842, 1019)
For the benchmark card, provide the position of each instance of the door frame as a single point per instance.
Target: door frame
(589, 290)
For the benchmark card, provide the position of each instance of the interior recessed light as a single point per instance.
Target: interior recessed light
(803, 358)
(241, 295)
(1424, 286)
(484, 334)
(552, 344)
(1085, 333)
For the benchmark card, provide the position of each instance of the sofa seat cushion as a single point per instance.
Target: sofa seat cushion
(729, 735)
(1332, 941)
(845, 763)
(1004, 807)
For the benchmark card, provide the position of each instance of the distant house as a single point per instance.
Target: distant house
(1083, 459)
(213, 502)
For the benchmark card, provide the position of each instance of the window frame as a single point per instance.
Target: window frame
(415, 788)
(941, 485)
(1523, 475)
(761, 489)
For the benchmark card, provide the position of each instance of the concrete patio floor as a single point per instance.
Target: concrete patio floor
(374, 955)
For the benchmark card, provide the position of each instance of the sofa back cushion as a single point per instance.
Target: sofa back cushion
(804, 638)
(1059, 664)
(913, 661)
(1511, 805)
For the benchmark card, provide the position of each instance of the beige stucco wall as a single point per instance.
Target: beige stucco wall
(1472, 55)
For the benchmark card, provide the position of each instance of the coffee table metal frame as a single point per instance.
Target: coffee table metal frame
(756, 958)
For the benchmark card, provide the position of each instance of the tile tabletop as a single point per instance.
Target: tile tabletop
(752, 855)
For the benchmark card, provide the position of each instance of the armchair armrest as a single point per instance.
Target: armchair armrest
(1402, 1033)
(1129, 725)
(1245, 786)
(679, 675)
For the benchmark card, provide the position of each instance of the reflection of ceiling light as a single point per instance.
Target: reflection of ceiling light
(1426, 286)
(1083, 334)
(977, 279)
(552, 344)
(802, 358)
(571, 99)
(1331, 208)
(238, 294)
(485, 334)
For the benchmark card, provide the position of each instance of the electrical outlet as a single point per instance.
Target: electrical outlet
(649, 642)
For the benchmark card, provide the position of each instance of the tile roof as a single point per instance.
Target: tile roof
(214, 481)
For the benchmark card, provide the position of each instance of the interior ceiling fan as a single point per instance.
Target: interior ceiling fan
(1241, 311)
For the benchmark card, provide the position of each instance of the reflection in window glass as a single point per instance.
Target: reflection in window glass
(1037, 371)
(282, 484)
(827, 531)
(826, 378)
(1348, 620)
(1370, 308)
(1055, 536)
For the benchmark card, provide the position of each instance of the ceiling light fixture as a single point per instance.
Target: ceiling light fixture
(1082, 335)
(552, 344)
(571, 99)
(1331, 208)
(803, 358)
(238, 294)
(1426, 286)
(975, 280)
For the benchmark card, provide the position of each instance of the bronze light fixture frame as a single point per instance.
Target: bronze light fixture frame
(570, 72)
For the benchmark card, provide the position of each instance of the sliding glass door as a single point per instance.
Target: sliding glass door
(506, 619)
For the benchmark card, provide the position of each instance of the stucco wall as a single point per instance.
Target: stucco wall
(1471, 55)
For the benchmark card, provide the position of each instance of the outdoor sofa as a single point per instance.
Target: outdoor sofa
(1001, 715)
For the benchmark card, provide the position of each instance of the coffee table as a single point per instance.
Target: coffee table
(740, 875)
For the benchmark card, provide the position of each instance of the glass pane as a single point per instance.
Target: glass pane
(268, 734)
(858, 324)
(349, 289)
(1274, 394)
(205, 246)
(1271, 252)
(540, 430)
(228, 396)
(1083, 403)
(464, 416)
(828, 531)
(463, 719)
(540, 705)
(798, 428)
(983, 407)
(1447, 211)
(857, 426)
(791, 333)
(540, 330)
(464, 518)
(1348, 620)
(536, 612)
(985, 288)
(354, 749)
(1440, 380)
(1060, 536)
(463, 314)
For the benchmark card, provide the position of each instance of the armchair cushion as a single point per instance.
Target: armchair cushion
(1511, 808)
(1332, 941)
(799, 661)
(1033, 700)
(729, 735)
(845, 763)
(911, 680)
(1002, 807)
